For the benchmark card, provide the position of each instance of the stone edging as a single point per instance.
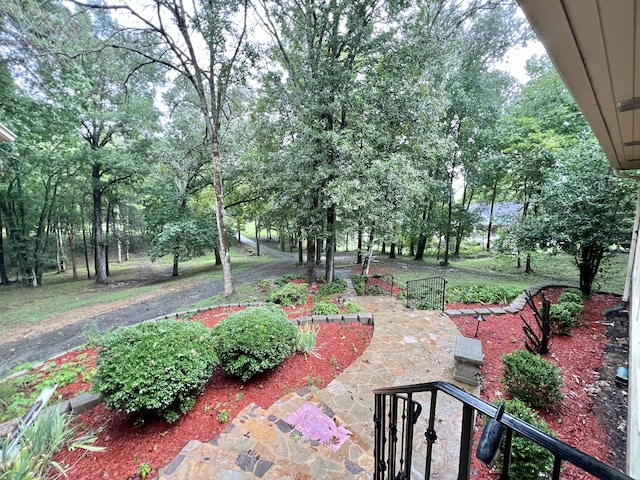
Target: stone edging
(515, 306)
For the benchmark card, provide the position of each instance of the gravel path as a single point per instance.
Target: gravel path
(48, 344)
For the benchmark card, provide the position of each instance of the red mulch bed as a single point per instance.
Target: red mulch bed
(579, 356)
(156, 442)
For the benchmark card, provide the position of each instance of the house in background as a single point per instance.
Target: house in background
(6, 135)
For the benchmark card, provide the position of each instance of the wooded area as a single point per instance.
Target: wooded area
(159, 125)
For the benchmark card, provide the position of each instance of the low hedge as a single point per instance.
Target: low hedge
(532, 379)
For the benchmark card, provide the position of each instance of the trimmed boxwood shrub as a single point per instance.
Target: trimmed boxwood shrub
(253, 341)
(532, 379)
(290, 294)
(155, 367)
(529, 461)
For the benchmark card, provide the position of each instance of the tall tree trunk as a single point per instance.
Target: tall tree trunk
(176, 261)
(588, 265)
(412, 247)
(216, 253)
(330, 244)
(422, 244)
(359, 255)
(86, 251)
(213, 131)
(72, 252)
(447, 237)
(319, 244)
(384, 247)
(257, 238)
(527, 268)
(98, 240)
(311, 260)
(493, 202)
(392, 250)
(367, 263)
(4, 279)
(60, 257)
(300, 257)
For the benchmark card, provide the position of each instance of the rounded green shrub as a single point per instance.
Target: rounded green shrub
(289, 294)
(529, 461)
(155, 367)
(336, 286)
(571, 295)
(564, 316)
(253, 341)
(532, 379)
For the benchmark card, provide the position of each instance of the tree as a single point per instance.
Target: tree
(205, 44)
(583, 209)
(60, 56)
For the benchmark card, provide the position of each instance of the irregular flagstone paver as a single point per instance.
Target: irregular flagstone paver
(407, 347)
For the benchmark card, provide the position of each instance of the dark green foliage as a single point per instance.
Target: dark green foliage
(358, 282)
(289, 294)
(529, 461)
(480, 293)
(571, 295)
(325, 308)
(564, 316)
(155, 367)
(428, 305)
(337, 286)
(284, 279)
(253, 341)
(532, 379)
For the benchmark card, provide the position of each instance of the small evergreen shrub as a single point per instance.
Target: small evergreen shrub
(358, 282)
(253, 341)
(325, 308)
(529, 461)
(289, 294)
(564, 316)
(352, 307)
(532, 379)
(155, 367)
(571, 295)
(337, 286)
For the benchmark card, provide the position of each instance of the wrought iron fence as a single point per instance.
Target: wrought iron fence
(426, 293)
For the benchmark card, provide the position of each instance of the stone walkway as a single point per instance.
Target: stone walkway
(407, 347)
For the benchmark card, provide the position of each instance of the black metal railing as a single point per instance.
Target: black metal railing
(396, 414)
(427, 293)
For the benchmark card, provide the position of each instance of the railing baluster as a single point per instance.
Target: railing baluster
(557, 465)
(393, 436)
(466, 443)
(506, 462)
(408, 434)
(430, 434)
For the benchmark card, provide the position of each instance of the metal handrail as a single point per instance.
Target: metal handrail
(558, 448)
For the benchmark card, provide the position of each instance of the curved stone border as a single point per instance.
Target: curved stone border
(515, 306)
